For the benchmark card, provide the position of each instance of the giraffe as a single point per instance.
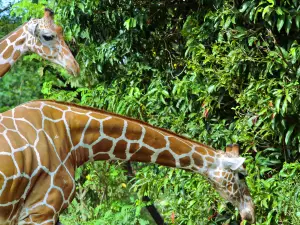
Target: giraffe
(43, 142)
(41, 36)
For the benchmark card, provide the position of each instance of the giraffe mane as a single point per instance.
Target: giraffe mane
(124, 117)
(15, 30)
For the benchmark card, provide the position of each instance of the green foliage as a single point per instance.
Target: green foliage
(216, 71)
(102, 197)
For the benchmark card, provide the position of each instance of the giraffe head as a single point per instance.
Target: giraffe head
(46, 39)
(228, 178)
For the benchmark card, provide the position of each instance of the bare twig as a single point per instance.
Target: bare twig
(5, 9)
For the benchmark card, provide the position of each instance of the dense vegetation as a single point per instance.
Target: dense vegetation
(220, 72)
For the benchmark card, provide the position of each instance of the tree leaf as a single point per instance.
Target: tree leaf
(280, 22)
(289, 133)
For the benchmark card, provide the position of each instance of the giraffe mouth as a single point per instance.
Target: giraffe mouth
(73, 68)
(248, 214)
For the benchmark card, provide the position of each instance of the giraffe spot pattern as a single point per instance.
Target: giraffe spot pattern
(8, 52)
(66, 137)
(4, 68)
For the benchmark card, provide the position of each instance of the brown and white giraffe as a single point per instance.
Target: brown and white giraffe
(41, 36)
(43, 142)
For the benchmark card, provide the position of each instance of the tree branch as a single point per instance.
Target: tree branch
(151, 207)
(5, 9)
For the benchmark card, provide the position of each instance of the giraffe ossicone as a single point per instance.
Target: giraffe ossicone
(43, 142)
(41, 36)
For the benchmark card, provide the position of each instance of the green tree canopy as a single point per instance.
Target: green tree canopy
(219, 72)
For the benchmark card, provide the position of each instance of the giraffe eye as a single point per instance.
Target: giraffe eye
(48, 38)
(241, 176)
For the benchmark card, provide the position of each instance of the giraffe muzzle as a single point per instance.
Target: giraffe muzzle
(73, 68)
(248, 215)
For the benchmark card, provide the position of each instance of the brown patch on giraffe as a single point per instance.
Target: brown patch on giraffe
(26, 160)
(46, 50)
(63, 180)
(102, 157)
(7, 189)
(52, 113)
(198, 160)
(15, 139)
(31, 115)
(179, 146)
(185, 161)
(27, 130)
(235, 187)
(62, 107)
(230, 177)
(4, 68)
(201, 150)
(102, 146)
(229, 187)
(55, 199)
(2, 128)
(38, 43)
(9, 123)
(79, 110)
(15, 35)
(166, 158)
(210, 159)
(48, 156)
(113, 127)
(17, 187)
(76, 124)
(119, 150)
(82, 156)
(133, 131)
(98, 116)
(4, 145)
(3, 45)
(92, 133)
(40, 214)
(154, 139)
(5, 213)
(143, 154)
(65, 51)
(20, 42)
(16, 55)
(211, 152)
(218, 173)
(1, 181)
(8, 52)
(58, 133)
(134, 147)
(15, 213)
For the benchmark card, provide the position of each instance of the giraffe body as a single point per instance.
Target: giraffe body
(41, 36)
(43, 142)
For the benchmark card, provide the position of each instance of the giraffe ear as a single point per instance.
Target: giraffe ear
(234, 164)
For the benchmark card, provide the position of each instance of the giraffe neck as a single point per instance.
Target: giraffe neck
(99, 135)
(11, 48)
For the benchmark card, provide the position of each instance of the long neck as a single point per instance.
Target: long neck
(105, 136)
(11, 48)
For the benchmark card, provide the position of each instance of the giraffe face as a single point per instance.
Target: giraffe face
(46, 39)
(228, 178)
